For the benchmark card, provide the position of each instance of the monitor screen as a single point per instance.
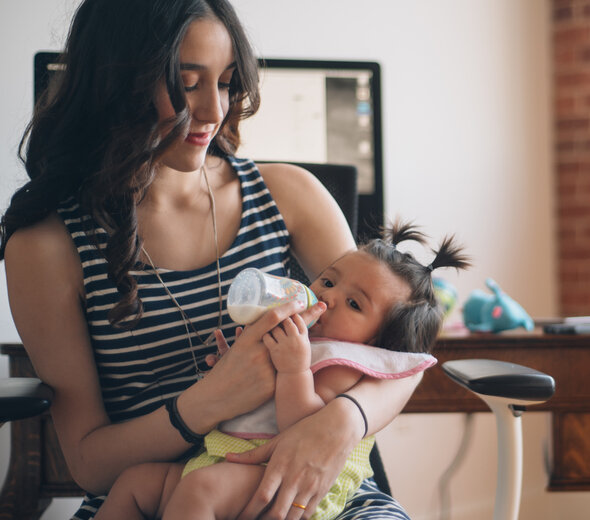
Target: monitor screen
(322, 112)
(311, 111)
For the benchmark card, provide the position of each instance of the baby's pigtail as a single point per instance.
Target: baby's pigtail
(449, 255)
(401, 231)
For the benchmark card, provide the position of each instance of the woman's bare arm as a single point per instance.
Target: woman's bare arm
(318, 229)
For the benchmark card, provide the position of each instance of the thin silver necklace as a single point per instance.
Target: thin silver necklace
(185, 318)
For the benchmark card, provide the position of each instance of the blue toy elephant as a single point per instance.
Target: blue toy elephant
(493, 313)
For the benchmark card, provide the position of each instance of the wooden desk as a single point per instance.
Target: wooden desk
(566, 358)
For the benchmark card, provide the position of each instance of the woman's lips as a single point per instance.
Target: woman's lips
(198, 138)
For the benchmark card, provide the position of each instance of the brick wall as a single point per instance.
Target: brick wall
(571, 61)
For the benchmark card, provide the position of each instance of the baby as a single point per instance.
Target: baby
(381, 320)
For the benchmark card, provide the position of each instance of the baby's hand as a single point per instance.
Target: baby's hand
(288, 345)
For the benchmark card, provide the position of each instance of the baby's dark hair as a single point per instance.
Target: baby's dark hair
(413, 325)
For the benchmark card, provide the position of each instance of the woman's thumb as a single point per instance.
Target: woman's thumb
(255, 456)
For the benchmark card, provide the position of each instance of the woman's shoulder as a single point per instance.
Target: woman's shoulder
(44, 244)
(40, 234)
(286, 174)
(292, 185)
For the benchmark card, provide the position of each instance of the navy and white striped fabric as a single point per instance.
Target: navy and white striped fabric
(141, 367)
(370, 503)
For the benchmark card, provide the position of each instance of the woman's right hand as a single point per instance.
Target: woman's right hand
(243, 378)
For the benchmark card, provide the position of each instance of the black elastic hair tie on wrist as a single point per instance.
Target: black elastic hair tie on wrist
(350, 398)
(176, 420)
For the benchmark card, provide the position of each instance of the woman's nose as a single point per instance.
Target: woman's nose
(209, 108)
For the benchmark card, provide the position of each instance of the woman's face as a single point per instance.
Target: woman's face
(358, 290)
(207, 64)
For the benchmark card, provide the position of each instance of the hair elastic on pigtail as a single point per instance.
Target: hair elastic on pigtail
(430, 267)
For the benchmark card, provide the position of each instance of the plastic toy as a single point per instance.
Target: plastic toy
(446, 294)
(494, 313)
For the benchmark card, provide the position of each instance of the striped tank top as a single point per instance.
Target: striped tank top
(141, 367)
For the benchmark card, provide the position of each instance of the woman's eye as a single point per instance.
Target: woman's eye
(223, 86)
(354, 304)
(190, 82)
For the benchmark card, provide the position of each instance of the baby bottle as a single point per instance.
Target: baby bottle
(253, 292)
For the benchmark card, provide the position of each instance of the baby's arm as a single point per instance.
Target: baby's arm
(297, 395)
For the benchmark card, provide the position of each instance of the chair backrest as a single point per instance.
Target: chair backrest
(341, 181)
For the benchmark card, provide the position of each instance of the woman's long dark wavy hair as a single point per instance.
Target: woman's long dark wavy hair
(95, 133)
(413, 325)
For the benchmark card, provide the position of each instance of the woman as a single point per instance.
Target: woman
(120, 250)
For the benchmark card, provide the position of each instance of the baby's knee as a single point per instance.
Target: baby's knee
(146, 483)
(199, 481)
(130, 477)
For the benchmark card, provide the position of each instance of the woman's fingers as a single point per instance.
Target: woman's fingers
(256, 456)
(272, 318)
(222, 345)
(301, 489)
(301, 507)
(211, 360)
(313, 313)
(299, 323)
(267, 487)
(222, 348)
(303, 463)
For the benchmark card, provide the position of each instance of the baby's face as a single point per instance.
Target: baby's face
(358, 290)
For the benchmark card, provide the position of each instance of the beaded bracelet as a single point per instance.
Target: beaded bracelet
(349, 397)
(176, 420)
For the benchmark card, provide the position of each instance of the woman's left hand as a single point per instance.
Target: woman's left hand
(303, 463)
(222, 347)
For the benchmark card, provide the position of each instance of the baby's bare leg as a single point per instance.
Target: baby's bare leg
(140, 492)
(216, 492)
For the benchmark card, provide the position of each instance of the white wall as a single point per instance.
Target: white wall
(467, 139)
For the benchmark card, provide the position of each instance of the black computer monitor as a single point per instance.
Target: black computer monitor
(315, 111)
(321, 111)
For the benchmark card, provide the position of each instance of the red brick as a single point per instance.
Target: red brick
(562, 13)
(573, 123)
(564, 57)
(564, 106)
(577, 79)
(571, 35)
(571, 65)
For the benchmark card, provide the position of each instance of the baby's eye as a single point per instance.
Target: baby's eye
(353, 304)
(327, 283)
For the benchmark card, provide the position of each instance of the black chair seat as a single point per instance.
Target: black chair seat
(501, 379)
(22, 397)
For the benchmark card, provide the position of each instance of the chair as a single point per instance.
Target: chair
(507, 389)
(23, 397)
